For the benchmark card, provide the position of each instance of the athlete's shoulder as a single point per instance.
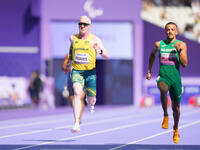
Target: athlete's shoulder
(72, 37)
(95, 38)
(157, 44)
(182, 42)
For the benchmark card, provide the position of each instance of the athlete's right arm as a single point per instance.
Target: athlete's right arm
(67, 63)
(71, 47)
(152, 59)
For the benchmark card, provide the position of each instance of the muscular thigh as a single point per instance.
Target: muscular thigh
(163, 84)
(175, 92)
(90, 84)
(77, 77)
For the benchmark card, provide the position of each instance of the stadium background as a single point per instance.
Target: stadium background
(29, 42)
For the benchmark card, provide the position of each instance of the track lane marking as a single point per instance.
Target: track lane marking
(155, 135)
(93, 133)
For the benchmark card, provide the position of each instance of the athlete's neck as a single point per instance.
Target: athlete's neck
(84, 36)
(168, 40)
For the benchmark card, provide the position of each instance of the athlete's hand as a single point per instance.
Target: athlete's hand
(177, 45)
(148, 76)
(63, 67)
(67, 68)
(97, 49)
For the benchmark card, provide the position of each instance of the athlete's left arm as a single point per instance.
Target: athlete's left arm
(182, 49)
(99, 48)
(183, 55)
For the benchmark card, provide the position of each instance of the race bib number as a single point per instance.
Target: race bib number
(81, 58)
(168, 59)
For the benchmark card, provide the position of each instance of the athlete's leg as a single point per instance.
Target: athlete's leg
(91, 89)
(91, 102)
(70, 88)
(77, 101)
(175, 93)
(71, 99)
(176, 113)
(82, 104)
(163, 87)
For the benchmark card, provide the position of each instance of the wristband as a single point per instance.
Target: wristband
(101, 52)
(179, 50)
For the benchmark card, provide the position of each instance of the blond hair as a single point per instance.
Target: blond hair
(86, 18)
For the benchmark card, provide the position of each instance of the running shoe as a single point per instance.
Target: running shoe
(176, 137)
(76, 127)
(165, 122)
(92, 109)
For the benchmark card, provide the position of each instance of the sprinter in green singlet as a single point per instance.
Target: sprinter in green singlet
(172, 53)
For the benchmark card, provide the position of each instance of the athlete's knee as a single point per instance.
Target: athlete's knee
(176, 107)
(163, 87)
(91, 100)
(77, 89)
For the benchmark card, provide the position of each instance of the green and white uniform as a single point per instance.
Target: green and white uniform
(169, 69)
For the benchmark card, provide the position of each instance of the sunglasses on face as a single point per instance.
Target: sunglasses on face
(83, 24)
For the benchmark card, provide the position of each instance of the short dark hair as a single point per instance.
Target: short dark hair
(171, 23)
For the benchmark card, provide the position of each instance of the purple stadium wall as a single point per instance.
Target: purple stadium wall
(19, 29)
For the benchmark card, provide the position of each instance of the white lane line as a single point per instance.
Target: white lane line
(59, 120)
(33, 123)
(155, 135)
(63, 127)
(93, 133)
(51, 121)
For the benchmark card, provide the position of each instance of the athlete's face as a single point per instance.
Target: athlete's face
(84, 26)
(171, 31)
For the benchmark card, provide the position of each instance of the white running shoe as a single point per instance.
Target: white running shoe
(92, 109)
(76, 127)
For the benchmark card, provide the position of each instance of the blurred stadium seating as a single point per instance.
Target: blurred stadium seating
(180, 14)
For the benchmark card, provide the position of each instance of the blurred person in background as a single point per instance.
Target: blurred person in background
(35, 87)
(172, 53)
(188, 32)
(46, 96)
(147, 5)
(195, 5)
(69, 87)
(82, 61)
(14, 95)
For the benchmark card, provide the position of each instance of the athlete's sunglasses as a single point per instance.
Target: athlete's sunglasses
(83, 24)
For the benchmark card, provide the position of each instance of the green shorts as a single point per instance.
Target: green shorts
(175, 88)
(87, 78)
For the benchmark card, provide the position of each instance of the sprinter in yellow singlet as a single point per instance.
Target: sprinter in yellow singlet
(83, 50)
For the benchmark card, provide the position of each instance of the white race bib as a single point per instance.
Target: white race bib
(81, 58)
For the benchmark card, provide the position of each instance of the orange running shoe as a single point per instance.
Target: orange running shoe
(176, 137)
(165, 122)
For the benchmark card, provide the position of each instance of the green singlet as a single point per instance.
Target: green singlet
(169, 69)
